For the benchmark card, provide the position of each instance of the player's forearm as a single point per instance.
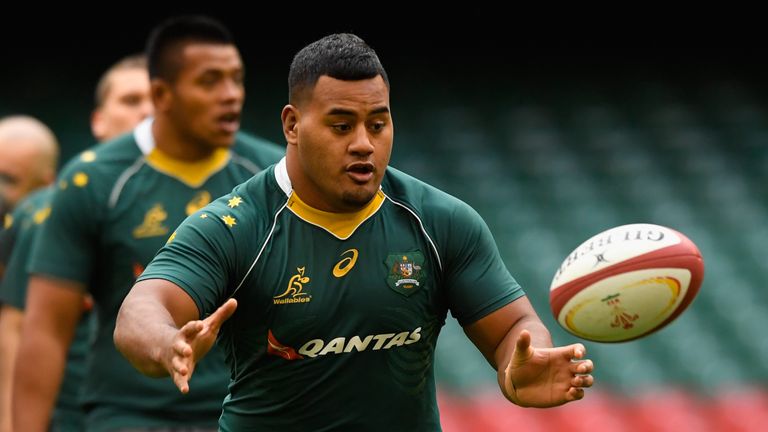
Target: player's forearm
(37, 377)
(10, 327)
(143, 333)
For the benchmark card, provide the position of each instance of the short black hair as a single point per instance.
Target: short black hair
(342, 56)
(166, 39)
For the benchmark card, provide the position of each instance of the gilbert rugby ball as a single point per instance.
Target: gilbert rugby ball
(626, 283)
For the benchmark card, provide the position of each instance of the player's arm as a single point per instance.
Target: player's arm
(53, 310)
(530, 371)
(10, 329)
(158, 330)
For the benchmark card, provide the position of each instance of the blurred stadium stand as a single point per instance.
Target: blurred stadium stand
(547, 172)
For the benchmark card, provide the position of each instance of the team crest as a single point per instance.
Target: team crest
(406, 272)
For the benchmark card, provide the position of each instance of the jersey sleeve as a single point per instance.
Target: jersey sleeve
(477, 281)
(68, 239)
(198, 257)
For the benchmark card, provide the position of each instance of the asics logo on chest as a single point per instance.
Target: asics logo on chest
(345, 265)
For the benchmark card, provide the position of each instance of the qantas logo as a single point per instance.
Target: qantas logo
(342, 345)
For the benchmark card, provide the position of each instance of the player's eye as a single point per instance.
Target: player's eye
(377, 126)
(341, 127)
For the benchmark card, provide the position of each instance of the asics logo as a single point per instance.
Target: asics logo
(345, 265)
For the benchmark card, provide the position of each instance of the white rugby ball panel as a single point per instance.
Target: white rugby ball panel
(612, 247)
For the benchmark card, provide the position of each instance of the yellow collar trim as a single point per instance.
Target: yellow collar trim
(341, 225)
(194, 174)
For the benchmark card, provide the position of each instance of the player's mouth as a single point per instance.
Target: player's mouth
(361, 172)
(229, 122)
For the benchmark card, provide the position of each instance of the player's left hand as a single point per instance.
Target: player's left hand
(546, 377)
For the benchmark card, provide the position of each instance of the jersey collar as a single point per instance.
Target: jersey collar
(340, 225)
(193, 174)
(143, 136)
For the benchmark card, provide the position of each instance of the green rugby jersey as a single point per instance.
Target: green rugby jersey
(28, 216)
(115, 206)
(7, 238)
(338, 314)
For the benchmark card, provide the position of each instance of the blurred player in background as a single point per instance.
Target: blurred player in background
(122, 101)
(28, 157)
(117, 204)
(342, 271)
(122, 98)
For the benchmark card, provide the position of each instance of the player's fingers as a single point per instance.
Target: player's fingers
(523, 344)
(182, 383)
(582, 367)
(182, 348)
(180, 366)
(191, 329)
(578, 351)
(574, 393)
(223, 313)
(582, 381)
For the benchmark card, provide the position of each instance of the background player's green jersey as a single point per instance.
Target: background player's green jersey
(27, 218)
(115, 206)
(338, 314)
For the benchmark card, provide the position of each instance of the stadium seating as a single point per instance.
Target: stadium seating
(548, 171)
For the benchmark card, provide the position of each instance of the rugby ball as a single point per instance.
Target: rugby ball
(626, 282)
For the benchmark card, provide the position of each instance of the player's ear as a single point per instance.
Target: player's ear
(98, 126)
(161, 94)
(290, 117)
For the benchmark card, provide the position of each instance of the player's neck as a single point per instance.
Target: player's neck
(170, 142)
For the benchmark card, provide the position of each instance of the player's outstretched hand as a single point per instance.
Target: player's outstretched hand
(546, 377)
(193, 341)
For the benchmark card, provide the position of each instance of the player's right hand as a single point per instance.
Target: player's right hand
(193, 341)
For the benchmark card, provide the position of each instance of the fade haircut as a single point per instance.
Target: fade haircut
(165, 43)
(341, 56)
(136, 61)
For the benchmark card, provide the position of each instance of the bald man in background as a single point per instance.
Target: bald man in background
(29, 153)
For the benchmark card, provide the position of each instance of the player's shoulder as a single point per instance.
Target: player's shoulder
(257, 150)
(425, 200)
(33, 209)
(256, 199)
(39, 198)
(104, 160)
(92, 173)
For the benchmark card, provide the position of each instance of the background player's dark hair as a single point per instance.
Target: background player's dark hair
(341, 56)
(166, 39)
